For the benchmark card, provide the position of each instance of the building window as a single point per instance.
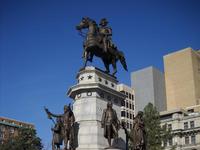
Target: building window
(170, 142)
(132, 97)
(185, 125)
(130, 116)
(186, 139)
(123, 113)
(1, 134)
(122, 102)
(193, 139)
(126, 104)
(131, 125)
(169, 126)
(130, 106)
(12, 131)
(190, 110)
(191, 124)
(127, 114)
(129, 95)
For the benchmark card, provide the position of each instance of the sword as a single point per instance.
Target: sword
(49, 115)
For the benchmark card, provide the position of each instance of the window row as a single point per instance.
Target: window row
(169, 141)
(128, 95)
(193, 139)
(127, 105)
(186, 138)
(129, 125)
(127, 114)
(186, 125)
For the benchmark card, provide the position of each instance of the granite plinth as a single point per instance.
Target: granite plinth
(93, 90)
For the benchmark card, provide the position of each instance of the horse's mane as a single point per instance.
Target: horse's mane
(91, 20)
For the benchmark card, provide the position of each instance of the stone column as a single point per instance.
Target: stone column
(93, 90)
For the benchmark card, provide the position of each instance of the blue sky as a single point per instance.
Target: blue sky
(40, 50)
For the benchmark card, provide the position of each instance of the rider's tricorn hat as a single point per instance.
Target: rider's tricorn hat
(103, 21)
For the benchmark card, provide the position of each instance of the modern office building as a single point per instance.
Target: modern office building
(182, 79)
(185, 129)
(9, 128)
(149, 87)
(128, 105)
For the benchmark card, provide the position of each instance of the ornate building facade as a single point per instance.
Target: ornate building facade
(185, 128)
(128, 105)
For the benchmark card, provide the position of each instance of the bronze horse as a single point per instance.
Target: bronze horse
(93, 46)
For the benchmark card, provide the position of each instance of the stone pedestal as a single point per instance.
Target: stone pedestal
(93, 90)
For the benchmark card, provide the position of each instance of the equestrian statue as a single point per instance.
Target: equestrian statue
(98, 42)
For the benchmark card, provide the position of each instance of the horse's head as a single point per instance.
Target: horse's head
(85, 22)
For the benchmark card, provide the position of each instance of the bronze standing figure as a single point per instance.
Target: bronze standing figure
(98, 43)
(110, 123)
(67, 129)
(137, 134)
(57, 135)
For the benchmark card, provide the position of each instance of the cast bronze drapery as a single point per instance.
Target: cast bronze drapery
(110, 123)
(137, 134)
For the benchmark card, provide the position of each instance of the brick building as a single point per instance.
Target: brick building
(10, 127)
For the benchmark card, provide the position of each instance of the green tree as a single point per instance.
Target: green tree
(26, 140)
(155, 134)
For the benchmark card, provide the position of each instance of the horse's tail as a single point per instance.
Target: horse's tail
(122, 60)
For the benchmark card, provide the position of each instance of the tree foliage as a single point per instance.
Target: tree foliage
(155, 134)
(26, 140)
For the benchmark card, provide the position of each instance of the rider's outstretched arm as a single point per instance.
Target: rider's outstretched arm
(56, 115)
(51, 114)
